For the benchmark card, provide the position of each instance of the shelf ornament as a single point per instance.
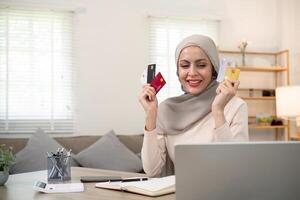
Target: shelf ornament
(242, 46)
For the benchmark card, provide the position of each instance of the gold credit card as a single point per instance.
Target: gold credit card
(232, 73)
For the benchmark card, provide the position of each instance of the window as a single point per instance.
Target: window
(164, 35)
(36, 70)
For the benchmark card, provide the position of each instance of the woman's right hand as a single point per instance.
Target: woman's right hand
(149, 102)
(148, 99)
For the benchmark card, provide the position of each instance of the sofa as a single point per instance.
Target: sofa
(78, 143)
(108, 151)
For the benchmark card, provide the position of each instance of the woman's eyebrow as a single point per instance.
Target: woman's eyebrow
(199, 60)
(183, 60)
(202, 59)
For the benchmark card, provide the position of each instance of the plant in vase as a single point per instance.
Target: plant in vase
(7, 158)
(243, 45)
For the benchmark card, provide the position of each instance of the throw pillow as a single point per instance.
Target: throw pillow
(33, 156)
(109, 153)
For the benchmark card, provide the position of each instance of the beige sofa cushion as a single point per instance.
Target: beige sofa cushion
(109, 153)
(33, 156)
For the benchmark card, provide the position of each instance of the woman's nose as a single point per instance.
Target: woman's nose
(193, 70)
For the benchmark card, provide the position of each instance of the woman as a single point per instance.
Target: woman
(206, 112)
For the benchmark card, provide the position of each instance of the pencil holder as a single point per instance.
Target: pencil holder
(59, 167)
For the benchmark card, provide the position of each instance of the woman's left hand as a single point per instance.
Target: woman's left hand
(225, 91)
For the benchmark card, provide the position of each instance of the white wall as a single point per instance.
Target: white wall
(290, 32)
(112, 49)
(255, 21)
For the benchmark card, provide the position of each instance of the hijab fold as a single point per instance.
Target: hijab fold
(178, 114)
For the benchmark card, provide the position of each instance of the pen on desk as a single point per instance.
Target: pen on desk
(68, 156)
(134, 179)
(69, 152)
(62, 151)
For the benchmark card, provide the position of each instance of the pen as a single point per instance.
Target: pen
(134, 179)
(69, 152)
(62, 151)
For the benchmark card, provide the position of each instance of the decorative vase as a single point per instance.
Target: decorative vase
(243, 59)
(3, 177)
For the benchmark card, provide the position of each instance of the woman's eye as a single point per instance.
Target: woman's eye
(201, 65)
(185, 66)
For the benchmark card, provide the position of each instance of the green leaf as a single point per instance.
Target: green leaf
(7, 157)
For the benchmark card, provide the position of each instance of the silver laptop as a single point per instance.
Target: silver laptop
(235, 171)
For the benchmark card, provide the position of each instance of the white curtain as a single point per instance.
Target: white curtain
(36, 70)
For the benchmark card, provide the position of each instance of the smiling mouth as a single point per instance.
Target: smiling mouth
(194, 83)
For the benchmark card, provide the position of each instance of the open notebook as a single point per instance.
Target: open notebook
(152, 187)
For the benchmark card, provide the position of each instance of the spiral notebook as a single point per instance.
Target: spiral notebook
(152, 187)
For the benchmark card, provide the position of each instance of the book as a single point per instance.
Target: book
(152, 187)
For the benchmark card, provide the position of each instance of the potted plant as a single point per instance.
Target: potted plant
(7, 158)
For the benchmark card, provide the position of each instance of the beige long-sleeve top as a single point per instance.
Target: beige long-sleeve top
(156, 147)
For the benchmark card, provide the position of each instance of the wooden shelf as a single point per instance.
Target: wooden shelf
(262, 69)
(279, 69)
(258, 98)
(273, 117)
(254, 52)
(295, 137)
(254, 89)
(249, 52)
(266, 126)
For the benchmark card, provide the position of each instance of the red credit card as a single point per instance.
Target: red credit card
(158, 82)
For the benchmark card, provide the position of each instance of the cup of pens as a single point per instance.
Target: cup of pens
(59, 165)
